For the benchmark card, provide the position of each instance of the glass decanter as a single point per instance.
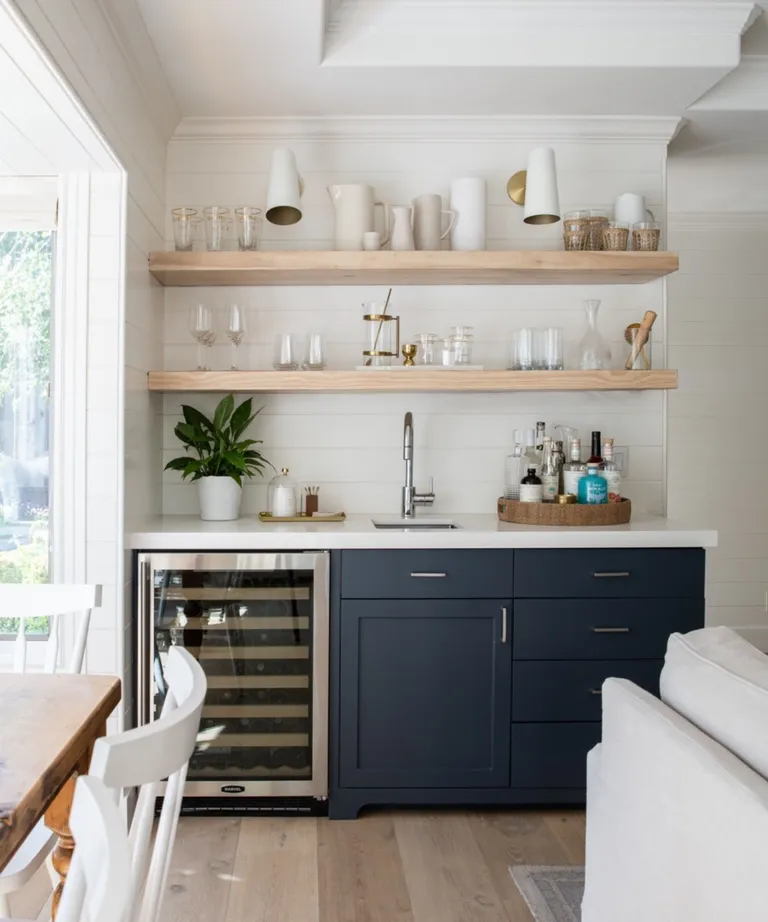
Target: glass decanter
(594, 353)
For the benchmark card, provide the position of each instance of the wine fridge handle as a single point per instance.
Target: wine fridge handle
(503, 625)
(144, 640)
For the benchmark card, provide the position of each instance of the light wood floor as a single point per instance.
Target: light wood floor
(413, 866)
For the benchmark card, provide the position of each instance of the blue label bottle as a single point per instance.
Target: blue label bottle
(593, 489)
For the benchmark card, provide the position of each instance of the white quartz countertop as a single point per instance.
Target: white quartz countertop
(189, 533)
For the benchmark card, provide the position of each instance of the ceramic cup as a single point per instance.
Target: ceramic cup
(371, 240)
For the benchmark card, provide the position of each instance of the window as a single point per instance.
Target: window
(26, 282)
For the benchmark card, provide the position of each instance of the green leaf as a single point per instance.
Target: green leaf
(178, 464)
(235, 460)
(196, 418)
(190, 434)
(241, 417)
(223, 412)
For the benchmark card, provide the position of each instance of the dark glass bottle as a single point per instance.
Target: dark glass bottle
(596, 457)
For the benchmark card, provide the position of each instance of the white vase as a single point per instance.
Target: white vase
(469, 201)
(402, 227)
(219, 499)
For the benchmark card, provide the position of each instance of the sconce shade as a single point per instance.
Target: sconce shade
(285, 188)
(542, 202)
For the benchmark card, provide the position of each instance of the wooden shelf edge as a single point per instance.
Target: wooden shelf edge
(439, 267)
(393, 382)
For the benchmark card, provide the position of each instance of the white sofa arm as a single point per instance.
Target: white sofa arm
(677, 827)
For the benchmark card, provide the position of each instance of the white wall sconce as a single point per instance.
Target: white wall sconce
(536, 188)
(285, 188)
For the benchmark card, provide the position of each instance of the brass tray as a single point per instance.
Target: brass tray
(302, 517)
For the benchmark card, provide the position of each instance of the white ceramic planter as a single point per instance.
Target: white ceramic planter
(219, 499)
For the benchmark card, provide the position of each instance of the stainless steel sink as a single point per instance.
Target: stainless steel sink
(417, 524)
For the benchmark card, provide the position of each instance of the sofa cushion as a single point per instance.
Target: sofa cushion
(719, 682)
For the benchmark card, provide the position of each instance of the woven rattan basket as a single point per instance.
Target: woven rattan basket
(510, 510)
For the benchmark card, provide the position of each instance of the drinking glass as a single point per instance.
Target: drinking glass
(286, 353)
(203, 331)
(638, 357)
(315, 357)
(646, 235)
(523, 353)
(248, 227)
(217, 224)
(428, 348)
(552, 349)
(186, 225)
(235, 331)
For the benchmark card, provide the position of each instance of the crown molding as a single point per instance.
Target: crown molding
(745, 89)
(534, 129)
(704, 15)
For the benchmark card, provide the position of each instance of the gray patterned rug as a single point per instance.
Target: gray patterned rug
(553, 894)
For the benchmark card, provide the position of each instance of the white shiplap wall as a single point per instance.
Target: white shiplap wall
(351, 444)
(718, 419)
(102, 49)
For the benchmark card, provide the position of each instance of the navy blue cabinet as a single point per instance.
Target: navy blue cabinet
(425, 693)
(474, 676)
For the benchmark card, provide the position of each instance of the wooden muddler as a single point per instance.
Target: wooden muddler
(641, 338)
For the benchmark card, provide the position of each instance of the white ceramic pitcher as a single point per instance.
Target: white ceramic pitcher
(630, 208)
(354, 206)
(402, 227)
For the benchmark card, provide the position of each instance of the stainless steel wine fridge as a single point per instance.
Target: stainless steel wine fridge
(258, 625)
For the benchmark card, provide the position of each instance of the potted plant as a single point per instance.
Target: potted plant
(218, 457)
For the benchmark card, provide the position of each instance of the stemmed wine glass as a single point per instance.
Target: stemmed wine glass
(203, 331)
(235, 331)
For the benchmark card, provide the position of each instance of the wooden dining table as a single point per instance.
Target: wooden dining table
(48, 725)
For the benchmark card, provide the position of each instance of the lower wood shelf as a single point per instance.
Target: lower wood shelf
(402, 381)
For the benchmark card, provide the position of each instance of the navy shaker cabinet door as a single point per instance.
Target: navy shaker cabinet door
(425, 693)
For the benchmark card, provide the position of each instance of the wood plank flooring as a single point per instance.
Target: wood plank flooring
(393, 866)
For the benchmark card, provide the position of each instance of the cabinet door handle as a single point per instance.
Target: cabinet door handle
(504, 625)
(429, 575)
(595, 691)
(611, 575)
(610, 630)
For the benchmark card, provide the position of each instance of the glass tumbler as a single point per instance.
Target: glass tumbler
(315, 356)
(551, 355)
(217, 223)
(615, 236)
(286, 353)
(186, 225)
(523, 351)
(638, 356)
(428, 342)
(646, 236)
(248, 227)
(447, 353)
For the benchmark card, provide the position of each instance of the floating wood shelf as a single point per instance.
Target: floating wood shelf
(390, 382)
(441, 267)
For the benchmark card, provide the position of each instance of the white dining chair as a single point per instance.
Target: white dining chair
(55, 602)
(96, 888)
(143, 758)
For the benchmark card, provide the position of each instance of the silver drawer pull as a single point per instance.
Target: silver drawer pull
(429, 575)
(610, 630)
(595, 691)
(611, 575)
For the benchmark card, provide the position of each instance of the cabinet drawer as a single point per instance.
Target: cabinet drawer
(572, 691)
(552, 755)
(610, 573)
(571, 629)
(423, 574)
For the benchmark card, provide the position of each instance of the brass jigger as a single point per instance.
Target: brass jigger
(409, 352)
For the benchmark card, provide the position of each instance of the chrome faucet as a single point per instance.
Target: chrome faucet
(411, 498)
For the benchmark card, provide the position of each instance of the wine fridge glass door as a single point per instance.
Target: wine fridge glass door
(258, 625)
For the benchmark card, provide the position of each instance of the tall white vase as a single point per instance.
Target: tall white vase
(469, 199)
(219, 498)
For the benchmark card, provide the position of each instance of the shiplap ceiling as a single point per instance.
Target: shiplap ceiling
(243, 58)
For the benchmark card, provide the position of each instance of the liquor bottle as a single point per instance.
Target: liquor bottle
(530, 488)
(574, 469)
(593, 490)
(531, 454)
(514, 468)
(549, 474)
(611, 473)
(541, 429)
(596, 456)
(560, 459)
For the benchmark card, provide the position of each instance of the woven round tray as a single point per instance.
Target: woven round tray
(510, 510)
